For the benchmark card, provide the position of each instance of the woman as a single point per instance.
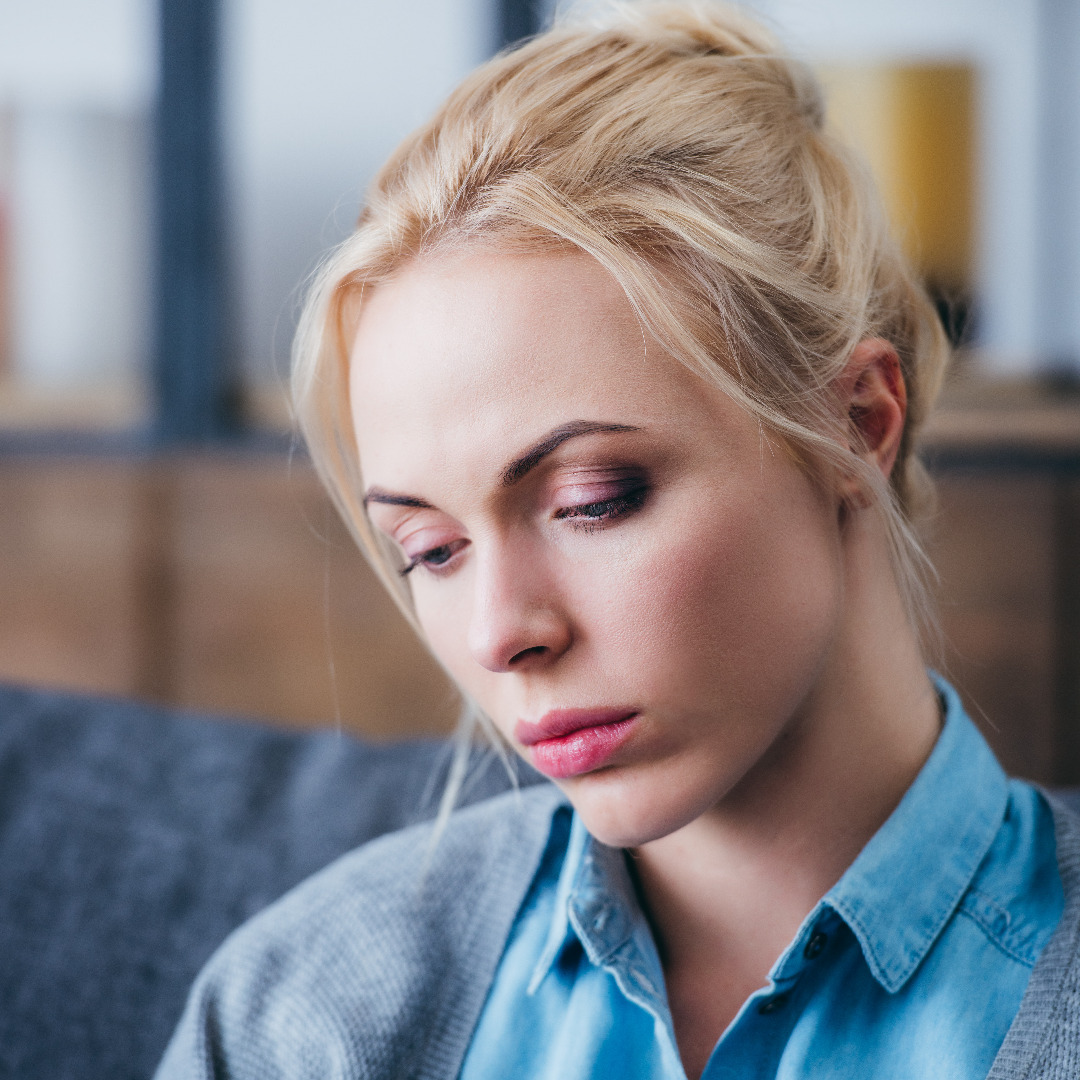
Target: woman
(618, 382)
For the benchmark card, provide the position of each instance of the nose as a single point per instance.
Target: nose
(518, 622)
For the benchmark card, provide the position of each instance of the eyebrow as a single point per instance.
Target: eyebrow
(519, 468)
(389, 498)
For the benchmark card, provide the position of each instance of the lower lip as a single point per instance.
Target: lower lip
(581, 751)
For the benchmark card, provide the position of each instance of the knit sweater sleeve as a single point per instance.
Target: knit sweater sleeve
(1044, 1040)
(377, 966)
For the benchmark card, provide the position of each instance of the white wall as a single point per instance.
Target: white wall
(77, 81)
(316, 94)
(81, 247)
(96, 54)
(1059, 290)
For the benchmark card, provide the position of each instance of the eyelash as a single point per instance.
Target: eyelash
(423, 558)
(586, 516)
(592, 516)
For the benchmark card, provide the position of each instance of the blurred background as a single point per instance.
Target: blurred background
(170, 170)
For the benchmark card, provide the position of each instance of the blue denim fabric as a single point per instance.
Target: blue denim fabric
(911, 967)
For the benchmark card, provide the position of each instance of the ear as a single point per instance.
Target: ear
(873, 394)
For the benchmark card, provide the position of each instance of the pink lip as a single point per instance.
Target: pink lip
(569, 742)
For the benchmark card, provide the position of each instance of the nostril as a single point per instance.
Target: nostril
(535, 650)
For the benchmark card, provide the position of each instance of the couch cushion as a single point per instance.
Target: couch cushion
(133, 839)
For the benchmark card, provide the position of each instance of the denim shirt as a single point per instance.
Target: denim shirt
(911, 967)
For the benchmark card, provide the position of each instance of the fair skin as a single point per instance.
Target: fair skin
(655, 554)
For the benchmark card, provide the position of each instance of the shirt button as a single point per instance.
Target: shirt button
(774, 1004)
(816, 944)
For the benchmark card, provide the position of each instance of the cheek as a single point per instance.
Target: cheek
(444, 610)
(744, 587)
(441, 615)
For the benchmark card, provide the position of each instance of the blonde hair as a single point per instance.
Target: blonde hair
(677, 145)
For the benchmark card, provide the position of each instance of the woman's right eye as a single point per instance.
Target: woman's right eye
(435, 557)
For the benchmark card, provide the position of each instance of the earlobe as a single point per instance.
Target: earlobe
(874, 398)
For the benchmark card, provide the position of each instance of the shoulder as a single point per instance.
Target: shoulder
(1044, 1040)
(1016, 895)
(379, 960)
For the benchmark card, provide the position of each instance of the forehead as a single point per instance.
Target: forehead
(477, 354)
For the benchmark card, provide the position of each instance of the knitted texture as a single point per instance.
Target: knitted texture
(133, 840)
(376, 967)
(1044, 1040)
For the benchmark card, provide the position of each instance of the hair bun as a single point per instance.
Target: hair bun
(706, 28)
(687, 27)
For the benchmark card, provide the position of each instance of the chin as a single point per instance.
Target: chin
(623, 813)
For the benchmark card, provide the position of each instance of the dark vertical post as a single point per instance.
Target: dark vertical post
(517, 19)
(190, 377)
(1067, 626)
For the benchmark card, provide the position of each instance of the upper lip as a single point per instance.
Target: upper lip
(560, 722)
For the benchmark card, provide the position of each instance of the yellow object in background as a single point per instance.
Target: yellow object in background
(915, 125)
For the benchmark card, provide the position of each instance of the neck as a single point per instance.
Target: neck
(727, 892)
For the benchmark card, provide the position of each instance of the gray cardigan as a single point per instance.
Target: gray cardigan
(378, 966)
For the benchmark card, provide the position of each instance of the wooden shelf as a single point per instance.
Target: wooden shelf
(1002, 416)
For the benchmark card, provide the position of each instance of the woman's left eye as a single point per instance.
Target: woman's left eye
(602, 510)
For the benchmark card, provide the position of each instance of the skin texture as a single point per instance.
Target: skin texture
(683, 567)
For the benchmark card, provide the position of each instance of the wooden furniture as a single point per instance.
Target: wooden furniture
(1007, 547)
(222, 582)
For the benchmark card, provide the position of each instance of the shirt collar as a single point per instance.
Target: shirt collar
(906, 883)
(596, 905)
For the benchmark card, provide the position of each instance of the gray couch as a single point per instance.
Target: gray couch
(133, 839)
